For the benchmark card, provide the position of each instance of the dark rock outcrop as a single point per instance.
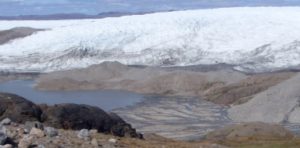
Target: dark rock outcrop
(73, 116)
(64, 116)
(18, 109)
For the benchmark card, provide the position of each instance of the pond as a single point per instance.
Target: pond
(105, 99)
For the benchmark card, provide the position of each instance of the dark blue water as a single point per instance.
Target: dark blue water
(105, 99)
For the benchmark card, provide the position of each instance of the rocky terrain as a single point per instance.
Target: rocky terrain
(205, 76)
(65, 116)
(29, 136)
(232, 95)
(27, 125)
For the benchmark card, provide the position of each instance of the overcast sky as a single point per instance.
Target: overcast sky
(41, 7)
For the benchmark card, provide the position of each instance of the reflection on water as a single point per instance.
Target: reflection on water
(105, 99)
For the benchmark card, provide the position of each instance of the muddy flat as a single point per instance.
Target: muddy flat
(175, 117)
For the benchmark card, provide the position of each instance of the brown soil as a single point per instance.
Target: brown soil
(244, 90)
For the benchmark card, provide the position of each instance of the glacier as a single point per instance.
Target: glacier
(253, 39)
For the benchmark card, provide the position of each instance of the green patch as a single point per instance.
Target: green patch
(264, 144)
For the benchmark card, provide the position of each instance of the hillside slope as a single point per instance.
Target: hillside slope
(279, 104)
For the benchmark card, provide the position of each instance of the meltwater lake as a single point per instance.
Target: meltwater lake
(105, 99)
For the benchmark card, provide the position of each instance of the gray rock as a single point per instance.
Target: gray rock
(37, 132)
(93, 131)
(62, 116)
(2, 129)
(83, 134)
(6, 146)
(3, 138)
(74, 116)
(25, 142)
(41, 146)
(51, 132)
(108, 145)
(112, 140)
(29, 125)
(5, 121)
(94, 142)
(3, 135)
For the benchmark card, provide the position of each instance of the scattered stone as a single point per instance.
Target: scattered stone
(108, 145)
(112, 140)
(3, 129)
(94, 142)
(68, 138)
(74, 116)
(29, 125)
(41, 146)
(83, 134)
(20, 110)
(3, 135)
(25, 142)
(37, 132)
(93, 131)
(14, 124)
(21, 131)
(6, 146)
(3, 138)
(6, 121)
(12, 133)
(51, 132)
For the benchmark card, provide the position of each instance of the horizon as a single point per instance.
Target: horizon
(94, 7)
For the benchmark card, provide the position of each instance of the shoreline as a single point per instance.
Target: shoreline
(169, 115)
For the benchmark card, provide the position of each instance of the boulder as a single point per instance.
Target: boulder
(250, 131)
(62, 116)
(93, 131)
(3, 138)
(18, 109)
(112, 140)
(25, 142)
(77, 117)
(83, 134)
(37, 132)
(5, 121)
(51, 132)
(94, 142)
(6, 146)
(41, 146)
(33, 124)
(3, 135)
